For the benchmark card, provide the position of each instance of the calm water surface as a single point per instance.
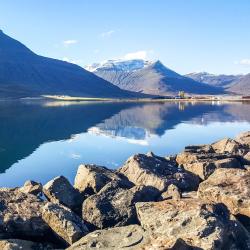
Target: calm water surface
(39, 141)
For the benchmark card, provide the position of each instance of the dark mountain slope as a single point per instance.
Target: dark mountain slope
(23, 73)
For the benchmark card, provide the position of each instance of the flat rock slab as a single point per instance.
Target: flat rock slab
(60, 191)
(228, 186)
(131, 237)
(20, 215)
(157, 172)
(67, 225)
(197, 223)
(114, 205)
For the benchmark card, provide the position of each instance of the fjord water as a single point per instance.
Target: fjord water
(41, 140)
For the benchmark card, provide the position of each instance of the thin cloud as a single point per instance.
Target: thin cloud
(67, 43)
(107, 33)
(142, 54)
(243, 62)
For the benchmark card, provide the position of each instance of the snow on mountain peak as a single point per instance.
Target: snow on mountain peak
(121, 65)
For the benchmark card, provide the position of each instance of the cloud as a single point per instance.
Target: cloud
(107, 33)
(243, 62)
(142, 54)
(67, 43)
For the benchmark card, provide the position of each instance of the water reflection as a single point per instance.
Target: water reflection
(46, 139)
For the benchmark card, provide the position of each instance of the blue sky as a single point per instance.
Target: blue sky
(186, 35)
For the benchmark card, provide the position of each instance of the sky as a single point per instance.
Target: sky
(186, 35)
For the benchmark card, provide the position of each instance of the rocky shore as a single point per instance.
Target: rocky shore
(198, 199)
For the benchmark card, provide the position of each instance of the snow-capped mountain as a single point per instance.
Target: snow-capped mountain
(148, 77)
(120, 65)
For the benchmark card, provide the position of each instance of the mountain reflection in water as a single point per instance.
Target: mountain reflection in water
(26, 127)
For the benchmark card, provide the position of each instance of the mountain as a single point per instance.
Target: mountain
(24, 73)
(241, 86)
(149, 78)
(215, 80)
(236, 84)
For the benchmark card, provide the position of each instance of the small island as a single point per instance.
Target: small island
(197, 199)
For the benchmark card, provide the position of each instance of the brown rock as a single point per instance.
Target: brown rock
(228, 146)
(198, 224)
(228, 186)
(20, 215)
(60, 191)
(16, 244)
(131, 237)
(151, 170)
(204, 164)
(92, 178)
(114, 205)
(244, 138)
(67, 225)
(32, 187)
(173, 192)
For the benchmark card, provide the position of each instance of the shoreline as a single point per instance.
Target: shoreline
(149, 197)
(194, 99)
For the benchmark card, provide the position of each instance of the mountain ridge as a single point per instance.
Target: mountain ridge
(237, 84)
(153, 78)
(24, 73)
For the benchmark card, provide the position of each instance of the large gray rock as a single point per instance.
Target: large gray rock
(92, 178)
(66, 225)
(113, 205)
(202, 225)
(157, 172)
(131, 237)
(228, 186)
(60, 191)
(16, 244)
(32, 187)
(20, 215)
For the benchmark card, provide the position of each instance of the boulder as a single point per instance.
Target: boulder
(64, 223)
(170, 244)
(16, 244)
(20, 215)
(60, 191)
(114, 205)
(244, 138)
(228, 146)
(92, 178)
(201, 225)
(131, 237)
(204, 164)
(173, 192)
(228, 186)
(151, 170)
(32, 187)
